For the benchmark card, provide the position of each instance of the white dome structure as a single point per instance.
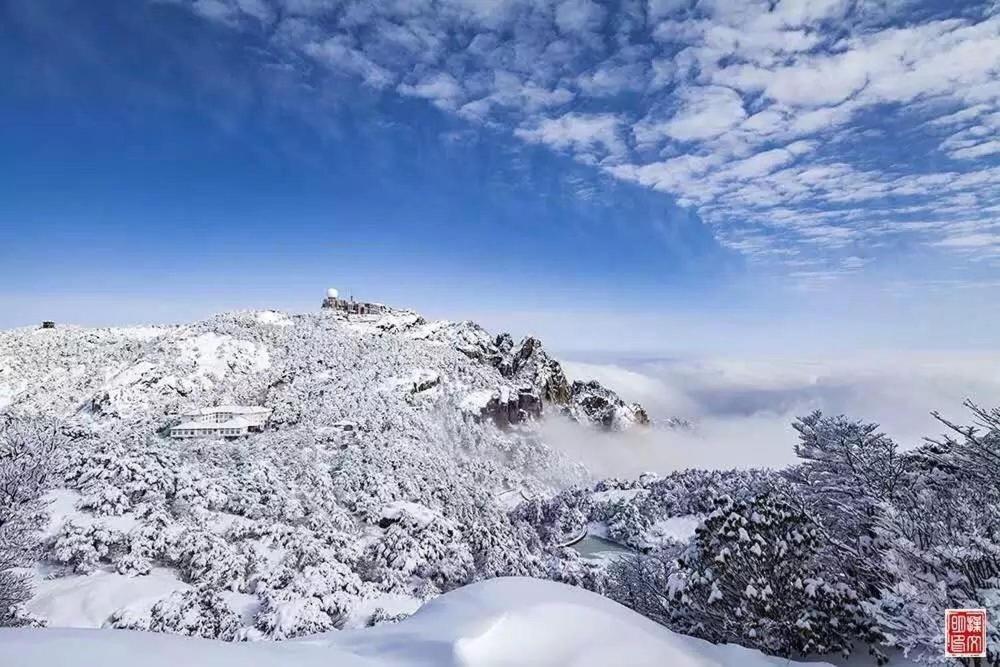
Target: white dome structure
(332, 293)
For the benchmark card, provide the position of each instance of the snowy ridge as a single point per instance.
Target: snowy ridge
(147, 372)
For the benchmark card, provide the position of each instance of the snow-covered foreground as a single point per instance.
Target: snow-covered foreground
(506, 621)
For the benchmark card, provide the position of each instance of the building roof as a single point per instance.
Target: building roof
(235, 409)
(235, 422)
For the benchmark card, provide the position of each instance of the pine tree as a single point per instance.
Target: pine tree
(195, 613)
(754, 575)
(944, 533)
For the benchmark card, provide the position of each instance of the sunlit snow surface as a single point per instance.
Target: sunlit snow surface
(501, 622)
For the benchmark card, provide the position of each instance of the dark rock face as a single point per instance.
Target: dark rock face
(507, 408)
(529, 363)
(590, 401)
(100, 403)
(425, 383)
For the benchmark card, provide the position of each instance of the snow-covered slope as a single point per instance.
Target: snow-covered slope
(501, 622)
(383, 479)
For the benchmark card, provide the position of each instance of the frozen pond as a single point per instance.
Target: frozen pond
(593, 546)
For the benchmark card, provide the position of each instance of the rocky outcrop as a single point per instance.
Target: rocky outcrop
(592, 402)
(541, 378)
(672, 423)
(507, 408)
(528, 363)
(425, 382)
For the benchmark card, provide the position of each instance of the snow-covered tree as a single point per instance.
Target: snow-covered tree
(195, 613)
(420, 544)
(304, 597)
(207, 559)
(846, 461)
(944, 537)
(641, 582)
(850, 475)
(382, 617)
(27, 450)
(754, 574)
(83, 547)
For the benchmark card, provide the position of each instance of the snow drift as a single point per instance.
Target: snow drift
(507, 621)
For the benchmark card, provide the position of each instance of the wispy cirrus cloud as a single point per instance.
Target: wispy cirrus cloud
(814, 137)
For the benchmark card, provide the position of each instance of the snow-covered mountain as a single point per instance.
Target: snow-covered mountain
(312, 369)
(396, 450)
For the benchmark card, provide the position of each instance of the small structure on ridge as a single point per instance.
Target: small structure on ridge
(334, 302)
(225, 421)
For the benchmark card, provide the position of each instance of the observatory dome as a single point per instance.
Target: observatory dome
(332, 293)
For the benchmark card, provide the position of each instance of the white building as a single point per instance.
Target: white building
(224, 421)
(334, 302)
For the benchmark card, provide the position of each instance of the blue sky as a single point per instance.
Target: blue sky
(655, 175)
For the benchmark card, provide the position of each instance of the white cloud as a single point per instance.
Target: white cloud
(259, 9)
(894, 65)
(487, 13)
(977, 150)
(971, 241)
(759, 164)
(579, 16)
(705, 112)
(584, 134)
(216, 10)
(337, 53)
(760, 115)
(535, 97)
(664, 72)
(961, 115)
(613, 79)
(808, 12)
(231, 12)
(439, 87)
(657, 9)
(825, 81)
(308, 7)
(512, 91)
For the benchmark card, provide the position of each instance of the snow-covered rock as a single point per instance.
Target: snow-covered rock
(592, 402)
